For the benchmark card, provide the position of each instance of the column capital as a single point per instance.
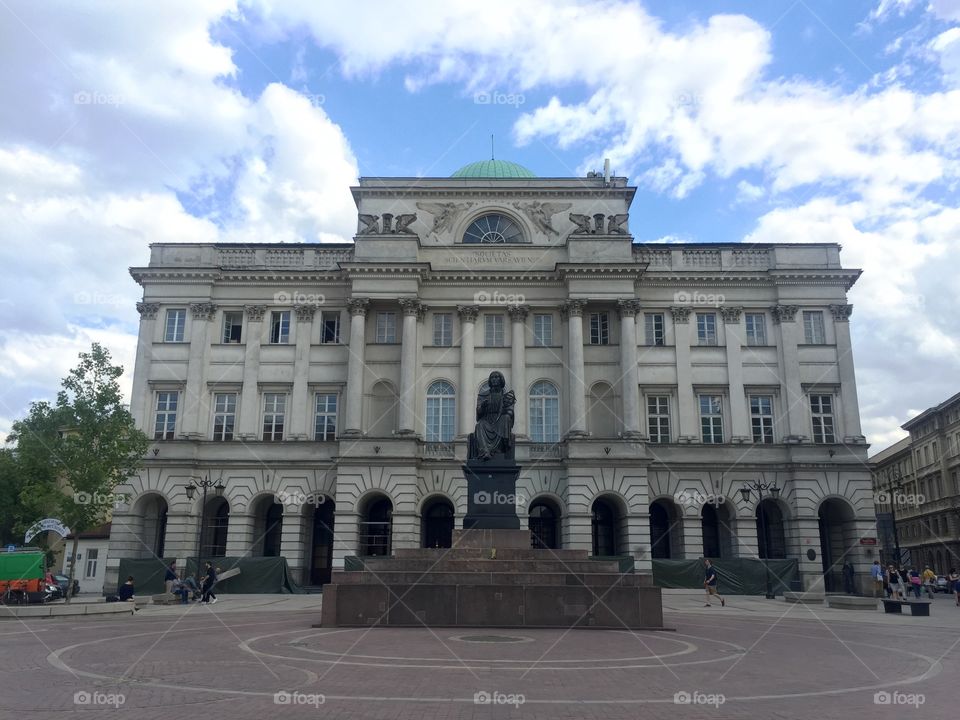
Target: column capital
(305, 313)
(148, 311)
(680, 313)
(784, 313)
(203, 310)
(731, 313)
(841, 313)
(255, 313)
(358, 306)
(413, 306)
(573, 308)
(518, 313)
(468, 313)
(628, 307)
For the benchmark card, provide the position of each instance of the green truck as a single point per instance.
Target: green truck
(23, 576)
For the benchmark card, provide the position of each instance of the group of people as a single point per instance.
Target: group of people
(897, 582)
(186, 586)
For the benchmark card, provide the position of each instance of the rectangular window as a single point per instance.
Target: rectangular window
(274, 414)
(821, 412)
(756, 329)
(711, 419)
(653, 329)
(761, 418)
(90, 570)
(813, 333)
(493, 329)
(706, 328)
(386, 327)
(599, 328)
(330, 328)
(280, 327)
(325, 419)
(176, 322)
(224, 415)
(658, 418)
(165, 422)
(543, 330)
(443, 329)
(232, 326)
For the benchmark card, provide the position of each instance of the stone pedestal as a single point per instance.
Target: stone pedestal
(492, 495)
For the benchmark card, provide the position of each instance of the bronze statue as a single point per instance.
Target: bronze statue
(492, 436)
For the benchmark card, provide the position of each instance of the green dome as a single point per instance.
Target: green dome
(493, 169)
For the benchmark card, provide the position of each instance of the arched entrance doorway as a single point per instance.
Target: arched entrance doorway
(838, 536)
(544, 524)
(666, 530)
(436, 523)
(605, 525)
(267, 527)
(153, 511)
(771, 534)
(376, 526)
(717, 535)
(216, 519)
(321, 559)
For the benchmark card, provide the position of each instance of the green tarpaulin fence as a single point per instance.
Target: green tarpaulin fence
(257, 574)
(736, 576)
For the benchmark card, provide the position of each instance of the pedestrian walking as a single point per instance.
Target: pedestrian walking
(876, 572)
(929, 578)
(894, 588)
(953, 582)
(170, 577)
(913, 578)
(847, 573)
(710, 583)
(208, 582)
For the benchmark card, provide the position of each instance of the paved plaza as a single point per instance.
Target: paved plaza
(252, 656)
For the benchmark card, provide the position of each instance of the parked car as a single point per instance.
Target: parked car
(941, 584)
(63, 581)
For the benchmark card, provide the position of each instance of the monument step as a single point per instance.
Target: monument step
(491, 578)
(461, 553)
(499, 566)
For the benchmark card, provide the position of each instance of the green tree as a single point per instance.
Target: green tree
(72, 455)
(11, 509)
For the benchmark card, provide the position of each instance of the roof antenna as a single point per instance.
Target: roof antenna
(491, 147)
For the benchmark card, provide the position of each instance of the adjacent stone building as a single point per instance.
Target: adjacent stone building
(328, 388)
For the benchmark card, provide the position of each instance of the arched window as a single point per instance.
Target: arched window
(436, 524)
(544, 413)
(604, 522)
(493, 228)
(544, 522)
(441, 412)
(376, 527)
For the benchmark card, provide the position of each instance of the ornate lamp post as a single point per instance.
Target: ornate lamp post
(191, 489)
(759, 487)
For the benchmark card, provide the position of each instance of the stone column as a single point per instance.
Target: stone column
(784, 317)
(240, 533)
(687, 416)
(739, 420)
(848, 381)
(196, 400)
(300, 402)
(353, 417)
(573, 309)
(629, 374)
(468, 320)
(250, 396)
(692, 536)
(346, 537)
(294, 541)
(140, 398)
(413, 312)
(518, 368)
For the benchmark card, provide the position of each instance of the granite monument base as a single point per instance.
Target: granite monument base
(491, 494)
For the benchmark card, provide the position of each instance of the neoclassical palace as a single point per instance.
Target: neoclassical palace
(324, 391)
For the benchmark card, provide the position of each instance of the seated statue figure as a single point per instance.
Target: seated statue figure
(492, 436)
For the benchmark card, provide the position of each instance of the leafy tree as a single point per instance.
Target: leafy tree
(72, 455)
(11, 509)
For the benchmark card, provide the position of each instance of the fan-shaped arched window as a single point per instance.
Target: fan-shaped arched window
(441, 412)
(544, 413)
(493, 228)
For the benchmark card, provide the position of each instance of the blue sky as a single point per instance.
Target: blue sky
(247, 120)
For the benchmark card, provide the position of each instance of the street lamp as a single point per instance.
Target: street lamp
(895, 489)
(759, 487)
(191, 489)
